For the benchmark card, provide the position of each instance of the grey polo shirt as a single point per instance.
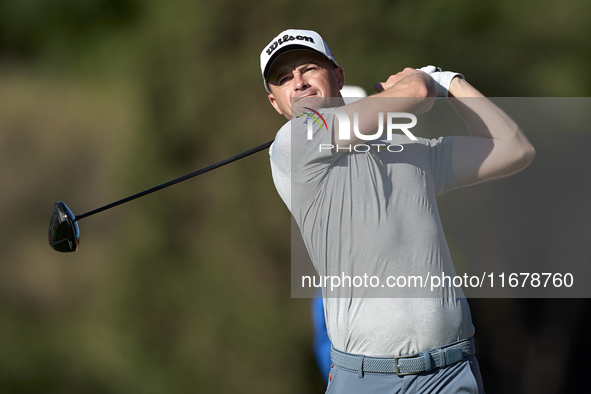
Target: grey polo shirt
(373, 213)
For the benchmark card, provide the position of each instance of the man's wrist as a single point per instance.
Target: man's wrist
(455, 87)
(443, 79)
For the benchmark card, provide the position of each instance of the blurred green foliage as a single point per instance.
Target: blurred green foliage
(188, 290)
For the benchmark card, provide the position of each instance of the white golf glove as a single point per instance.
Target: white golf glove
(442, 78)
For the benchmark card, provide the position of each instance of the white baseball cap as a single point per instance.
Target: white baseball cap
(290, 40)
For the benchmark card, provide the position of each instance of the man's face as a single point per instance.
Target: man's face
(304, 77)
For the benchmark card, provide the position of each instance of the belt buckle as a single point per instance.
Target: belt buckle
(397, 367)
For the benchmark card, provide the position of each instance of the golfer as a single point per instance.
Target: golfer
(373, 209)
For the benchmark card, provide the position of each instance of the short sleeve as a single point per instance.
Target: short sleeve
(440, 164)
(301, 152)
(311, 146)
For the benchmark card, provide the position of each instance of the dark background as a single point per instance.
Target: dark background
(188, 290)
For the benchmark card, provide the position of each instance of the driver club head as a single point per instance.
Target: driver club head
(63, 229)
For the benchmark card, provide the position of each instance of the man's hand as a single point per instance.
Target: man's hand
(410, 77)
(442, 78)
(410, 91)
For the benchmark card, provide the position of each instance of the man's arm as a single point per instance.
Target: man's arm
(496, 148)
(411, 87)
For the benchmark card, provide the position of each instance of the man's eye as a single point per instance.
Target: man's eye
(283, 80)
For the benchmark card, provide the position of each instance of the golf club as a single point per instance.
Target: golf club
(64, 234)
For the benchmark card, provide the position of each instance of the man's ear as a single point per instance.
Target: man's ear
(274, 103)
(340, 76)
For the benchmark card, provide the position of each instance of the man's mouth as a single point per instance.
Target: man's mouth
(296, 98)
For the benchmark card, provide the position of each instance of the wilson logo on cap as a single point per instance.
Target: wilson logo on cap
(285, 39)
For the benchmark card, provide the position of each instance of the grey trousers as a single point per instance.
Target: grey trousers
(462, 377)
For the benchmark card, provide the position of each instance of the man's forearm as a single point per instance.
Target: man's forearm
(507, 150)
(484, 118)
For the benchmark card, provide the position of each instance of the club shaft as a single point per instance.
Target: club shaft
(177, 180)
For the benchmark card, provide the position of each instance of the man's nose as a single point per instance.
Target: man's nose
(299, 81)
